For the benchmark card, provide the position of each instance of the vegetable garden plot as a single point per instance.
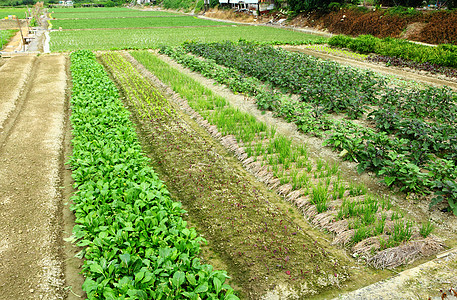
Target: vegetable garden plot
(110, 14)
(136, 245)
(154, 38)
(422, 122)
(19, 12)
(362, 221)
(175, 21)
(250, 230)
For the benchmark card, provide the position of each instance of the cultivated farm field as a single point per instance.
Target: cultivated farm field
(190, 158)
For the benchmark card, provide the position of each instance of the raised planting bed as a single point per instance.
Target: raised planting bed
(135, 243)
(264, 243)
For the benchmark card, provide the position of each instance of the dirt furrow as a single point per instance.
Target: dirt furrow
(30, 199)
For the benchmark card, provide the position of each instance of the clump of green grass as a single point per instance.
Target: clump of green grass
(357, 189)
(379, 225)
(361, 233)
(402, 231)
(426, 229)
(320, 197)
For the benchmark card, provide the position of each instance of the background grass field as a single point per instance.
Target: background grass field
(153, 38)
(134, 22)
(106, 13)
(19, 12)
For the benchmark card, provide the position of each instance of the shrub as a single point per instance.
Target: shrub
(364, 44)
(340, 40)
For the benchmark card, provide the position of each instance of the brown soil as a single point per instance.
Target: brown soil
(31, 153)
(230, 15)
(412, 30)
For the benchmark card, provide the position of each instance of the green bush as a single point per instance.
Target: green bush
(443, 55)
(364, 44)
(340, 41)
(335, 6)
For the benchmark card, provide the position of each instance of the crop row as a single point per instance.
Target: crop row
(315, 186)
(106, 13)
(221, 199)
(399, 152)
(171, 21)
(407, 63)
(136, 245)
(443, 55)
(110, 39)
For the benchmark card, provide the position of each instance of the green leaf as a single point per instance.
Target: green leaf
(231, 297)
(191, 279)
(139, 276)
(89, 285)
(217, 285)
(186, 232)
(178, 279)
(190, 295)
(389, 180)
(436, 200)
(109, 294)
(96, 268)
(125, 258)
(202, 288)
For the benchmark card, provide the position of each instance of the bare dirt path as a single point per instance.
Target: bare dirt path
(13, 76)
(31, 259)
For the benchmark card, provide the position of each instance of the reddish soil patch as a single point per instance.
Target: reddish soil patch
(433, 27)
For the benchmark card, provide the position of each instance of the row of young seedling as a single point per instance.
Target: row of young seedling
(146, 99)
(314, 185)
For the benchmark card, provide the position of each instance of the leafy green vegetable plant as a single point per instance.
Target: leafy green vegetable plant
(135, 243)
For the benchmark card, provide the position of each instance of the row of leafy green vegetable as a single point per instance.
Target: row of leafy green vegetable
(136, 244)
(418, 144)
(442, 55)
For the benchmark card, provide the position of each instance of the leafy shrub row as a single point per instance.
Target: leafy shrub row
(443, 55)
(327, 84)
(136, 245)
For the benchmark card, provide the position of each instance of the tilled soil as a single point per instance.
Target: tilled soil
(33, 118)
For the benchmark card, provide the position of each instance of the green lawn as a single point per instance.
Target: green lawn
(134, 22)
(106, 13)
(19, 12)
(5, 36)
(88, 9)
(154, 38)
